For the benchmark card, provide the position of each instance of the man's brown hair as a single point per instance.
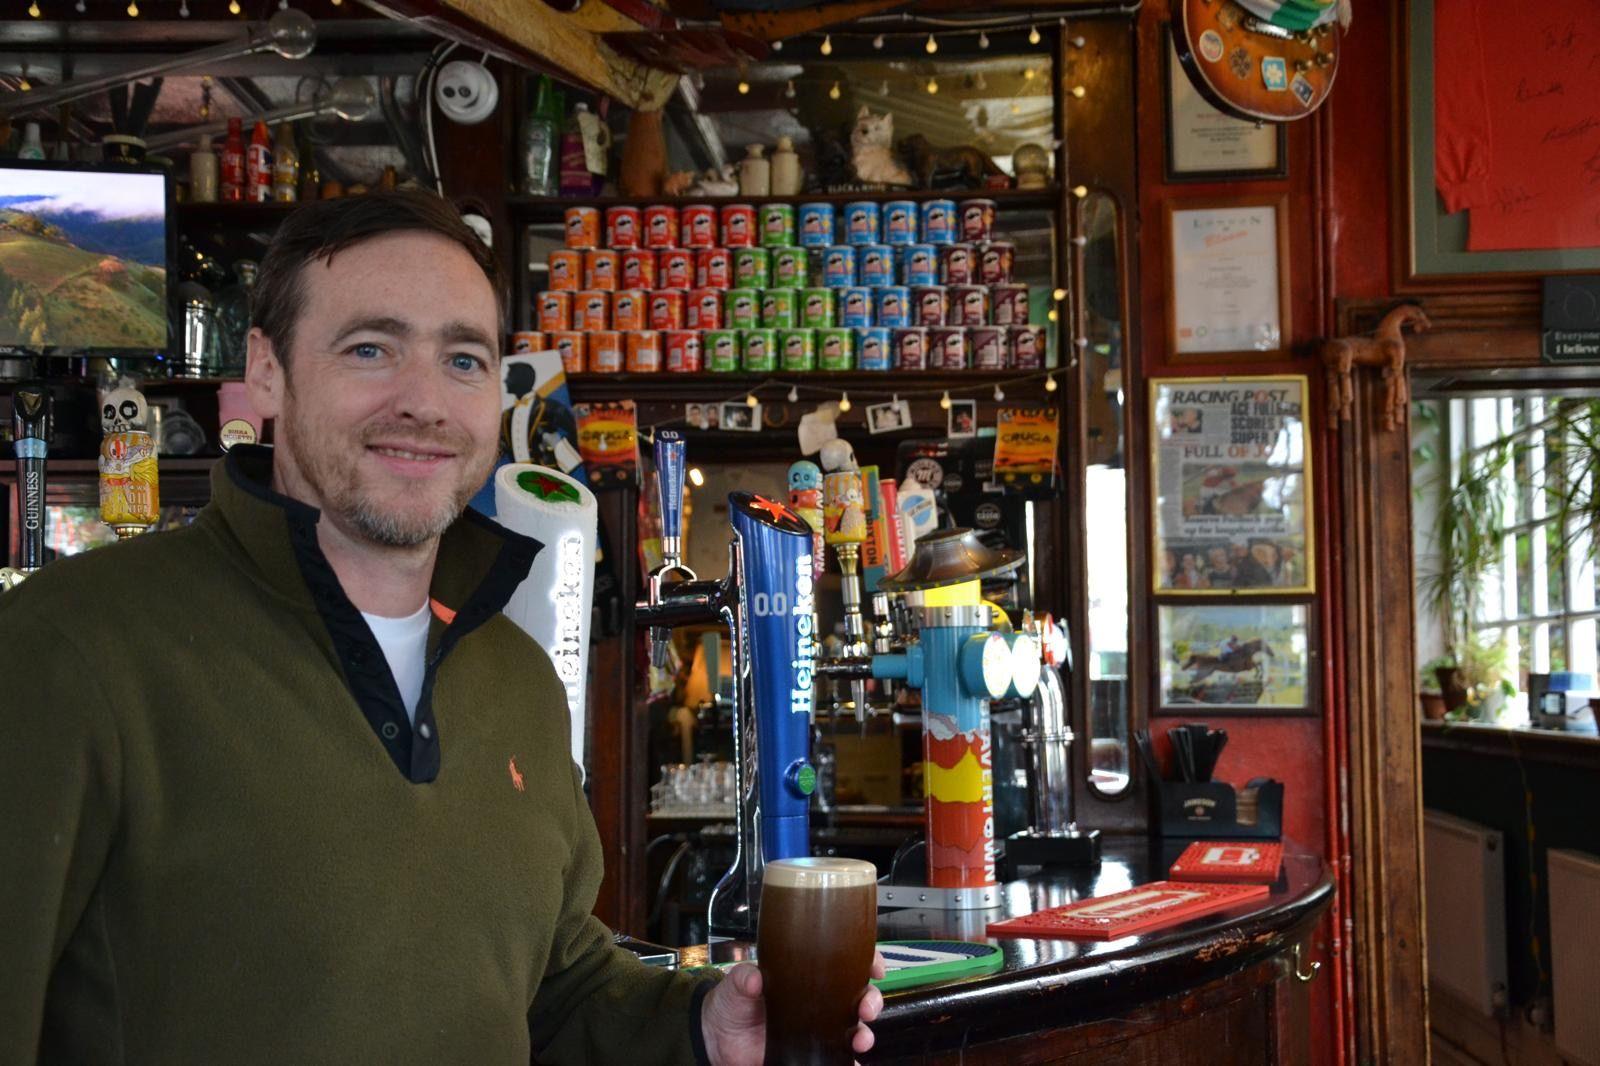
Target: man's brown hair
(323, 228)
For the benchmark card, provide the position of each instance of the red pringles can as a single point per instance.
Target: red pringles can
(571, 345)
(996, 259)
(605, 351)
(703, 309)
(566, 269)
(958, 264)
(675, 269)
(600, 269)
(969, 305)
(713, 267)
(910, 348)
(682, 351)
(639, 269)
(977, 220)
(1009, 304)
(697, 226)
(660, 226)
(554, 311)
(583, 227)
(591, 309)
(1027, 347)
(666, 309)
(947, 348)
(991, 347)
(738, 226)
(644, 351)
(930, 305)
(629, 310)
(622, 227)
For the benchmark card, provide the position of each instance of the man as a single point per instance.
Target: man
(284, 786)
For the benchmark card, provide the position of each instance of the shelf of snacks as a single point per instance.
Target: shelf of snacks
(552, 208)
(789, 285)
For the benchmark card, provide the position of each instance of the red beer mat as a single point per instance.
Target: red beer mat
(1223, 860)
(1152, 906)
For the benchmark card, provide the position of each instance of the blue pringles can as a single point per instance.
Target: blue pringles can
(894, 307)
(875, 265)
(855, 307)
(861, 222)
(873, 351)
(900, 222)
(919, 264)
(941, 222)
(777, 602)
(816, 225)
(839, 267)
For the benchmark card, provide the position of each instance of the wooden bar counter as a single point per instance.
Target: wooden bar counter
(1229, 987)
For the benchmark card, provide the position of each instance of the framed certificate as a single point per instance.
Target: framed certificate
(1231, 486)
(1203, 144)
(1229, 277)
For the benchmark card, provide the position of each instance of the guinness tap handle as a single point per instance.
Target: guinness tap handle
(30, 423)
(669, 471)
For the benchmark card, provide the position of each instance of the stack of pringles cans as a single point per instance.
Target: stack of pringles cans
(896, 285)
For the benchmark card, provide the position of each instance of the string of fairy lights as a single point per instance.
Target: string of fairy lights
(133, 9)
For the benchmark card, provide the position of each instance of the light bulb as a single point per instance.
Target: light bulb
(1079, 92)
(233, 7)
(844, 402)
(932, 46)
(133, 9)
(833, 92)
(1080, 191)
(777, 46)
(1050, 384)
(1027, 74)
(944, 400)
(25, 85)
(183, 9)
(827, 45)
(999, 394)
(1059, 295)
(33, 9)
(1016, 108)
(80, 7)
(751, 400)
(696, 477)
(788, 90)
(1053, 316)
(933, 85)
(1033, 35)
(794, 394)
(744, 87)
(983, 39)
(877, 42)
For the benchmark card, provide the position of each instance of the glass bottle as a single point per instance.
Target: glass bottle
(258, 165)
(538, 142)
(233, 314)
(285, 166)
(233, 162)
(31, 148)
(203, 173)
(755, 172)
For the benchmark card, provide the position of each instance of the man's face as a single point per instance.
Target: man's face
(389, 413)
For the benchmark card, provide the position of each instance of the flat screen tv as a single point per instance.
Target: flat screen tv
(85, 259)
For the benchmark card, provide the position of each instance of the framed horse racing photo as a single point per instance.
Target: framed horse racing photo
(1234, 658)
(1231, 486)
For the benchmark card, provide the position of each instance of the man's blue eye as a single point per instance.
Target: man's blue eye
(367, 351)
(466, 362)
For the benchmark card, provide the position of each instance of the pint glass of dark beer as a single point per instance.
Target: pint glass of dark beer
(818, 929)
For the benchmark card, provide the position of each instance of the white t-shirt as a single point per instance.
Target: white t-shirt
(405, 644)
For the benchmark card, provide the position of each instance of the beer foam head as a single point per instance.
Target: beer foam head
(819, 872)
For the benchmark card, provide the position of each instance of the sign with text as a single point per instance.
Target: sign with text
(1571, 320)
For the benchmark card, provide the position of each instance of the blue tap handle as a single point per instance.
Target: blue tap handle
(669, 471)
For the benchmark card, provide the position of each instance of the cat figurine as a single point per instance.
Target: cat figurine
(871, 149)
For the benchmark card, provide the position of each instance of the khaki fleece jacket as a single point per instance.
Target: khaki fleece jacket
(223, 843)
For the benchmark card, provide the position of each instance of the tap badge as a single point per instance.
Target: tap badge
(544, 487)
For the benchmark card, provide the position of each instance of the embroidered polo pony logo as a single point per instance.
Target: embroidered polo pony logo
(516, 776)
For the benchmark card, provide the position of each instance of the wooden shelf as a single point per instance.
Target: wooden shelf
(553, 208)
(863, 385)
(257, 215)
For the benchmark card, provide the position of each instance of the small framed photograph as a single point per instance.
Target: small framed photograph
(701, 415)
(888, 417)
(1228, 269)
(1204, 144)
(962, 419)
(1235, 658)
(739, 416)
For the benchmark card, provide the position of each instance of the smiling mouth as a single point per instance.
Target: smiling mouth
(396, 454)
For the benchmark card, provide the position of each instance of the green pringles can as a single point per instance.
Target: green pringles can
(742, 309)
(788, 268)
(798, 348)
(817, 308)
(837, 348)
(752, 268)
(721, 350)
(777, 225)
(760, 349)
(778, 309)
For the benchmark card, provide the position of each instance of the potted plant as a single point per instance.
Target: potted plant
(1484, 667)
(1434, 675)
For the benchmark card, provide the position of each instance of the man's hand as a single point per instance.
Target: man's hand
(734, 1017)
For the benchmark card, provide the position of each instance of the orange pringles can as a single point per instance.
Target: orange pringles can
(629, 309)
(638, 269)
(566, 269)
(675, 268)
(571, 345)
(605, 351)
(644, 351)
(583, 227)
(525, 341)
(591, 309)
(600, 269)
(554, 310)
(622, 227)
(666, 309)
(660, 226)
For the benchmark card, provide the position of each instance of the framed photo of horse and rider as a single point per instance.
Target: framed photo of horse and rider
(1233, 542)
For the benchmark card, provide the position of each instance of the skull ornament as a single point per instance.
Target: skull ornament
(124, 408)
